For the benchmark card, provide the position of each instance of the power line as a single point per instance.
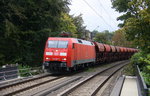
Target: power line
(105, 10)
(97, 13)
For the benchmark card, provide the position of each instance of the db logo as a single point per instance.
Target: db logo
(56, 54)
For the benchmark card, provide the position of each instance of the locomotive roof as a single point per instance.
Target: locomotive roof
(80, 41)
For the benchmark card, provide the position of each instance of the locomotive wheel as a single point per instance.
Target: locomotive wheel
(75, 68)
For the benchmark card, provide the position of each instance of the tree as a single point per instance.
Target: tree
(24, 27)
(104, 37)
(119, 39)
(136, 26)
(136, 21)
(78, 22)
(67, 24)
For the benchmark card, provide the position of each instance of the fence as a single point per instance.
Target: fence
(13, 72)
(8, 73)
(144, 89)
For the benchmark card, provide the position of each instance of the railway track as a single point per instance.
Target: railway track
(18, 87)
(36, 85)
(45, 85)
(91, 85)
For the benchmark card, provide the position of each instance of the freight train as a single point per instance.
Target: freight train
(72, 53)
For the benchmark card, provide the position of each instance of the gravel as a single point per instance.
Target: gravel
(85, 74)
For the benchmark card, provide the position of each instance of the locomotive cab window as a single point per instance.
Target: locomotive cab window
(52, 44)
(57, 44)
(62, 44)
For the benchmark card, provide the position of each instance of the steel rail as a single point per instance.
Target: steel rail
(23, 81)
(56, 87)
(101, 85)
(32, 86)
(69, 90)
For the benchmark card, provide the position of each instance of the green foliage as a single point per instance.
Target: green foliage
(129, 70)
(25, 26)
(104, 37)
(24, 70)
(90, 70)
(78, 22)
(143, 60)
(119, 39)
(136, 59)
(120, 5)
(138, 31)
(146, 78)
(67, 24)
(136, 19)
(136, 26)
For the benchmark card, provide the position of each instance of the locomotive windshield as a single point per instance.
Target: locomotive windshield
(57, 44)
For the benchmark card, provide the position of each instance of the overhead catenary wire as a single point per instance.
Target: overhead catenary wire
(106, 11)
(97, 13)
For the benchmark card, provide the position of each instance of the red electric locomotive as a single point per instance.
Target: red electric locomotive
(72, 53)
(67, 53)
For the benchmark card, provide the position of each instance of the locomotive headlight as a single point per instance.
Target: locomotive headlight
(64, 59)
(47, 58)
(49, 53)
(63, 54)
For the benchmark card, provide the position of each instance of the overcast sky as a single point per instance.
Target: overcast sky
(97, 14)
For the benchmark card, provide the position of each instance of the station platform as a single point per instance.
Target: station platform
(126, 86)
(130, 87)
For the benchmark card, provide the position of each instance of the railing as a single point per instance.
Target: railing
(144, 89)
(8, 73)
(13, 72)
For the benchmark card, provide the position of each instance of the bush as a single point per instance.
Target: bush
(143, 60)
(24, 70)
